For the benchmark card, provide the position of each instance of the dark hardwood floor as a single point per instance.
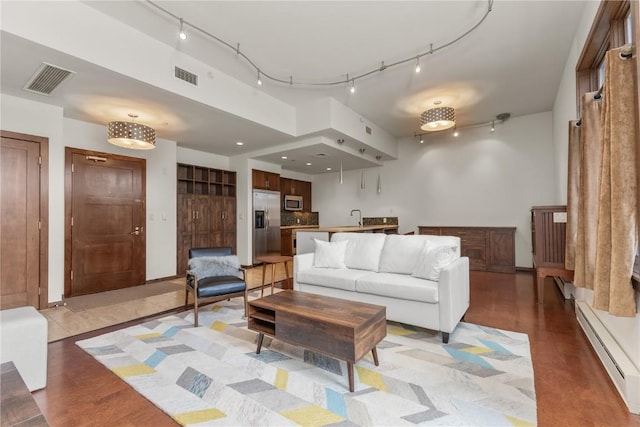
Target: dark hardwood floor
(572, 387)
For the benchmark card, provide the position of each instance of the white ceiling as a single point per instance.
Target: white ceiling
(511, 63)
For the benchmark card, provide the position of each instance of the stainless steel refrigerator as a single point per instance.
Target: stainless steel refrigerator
(266, 223)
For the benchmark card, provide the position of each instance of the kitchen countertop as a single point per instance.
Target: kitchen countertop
(356, 229)
(292, 227)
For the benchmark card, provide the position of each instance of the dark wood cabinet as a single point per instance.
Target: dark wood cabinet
(488, 248)
(263, 180)
(206, 210)
(286, 241)
(294, 187)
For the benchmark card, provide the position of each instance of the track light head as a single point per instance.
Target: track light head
(259, 79)
(418, 65)
(353, 86)
(182, 35)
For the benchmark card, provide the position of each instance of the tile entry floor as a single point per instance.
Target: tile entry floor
(64, 323)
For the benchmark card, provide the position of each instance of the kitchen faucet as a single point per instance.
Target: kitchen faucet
(359, 216)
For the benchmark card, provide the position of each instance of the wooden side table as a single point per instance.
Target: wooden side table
(273, 260)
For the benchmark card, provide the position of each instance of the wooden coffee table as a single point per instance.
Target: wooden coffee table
(338, 328)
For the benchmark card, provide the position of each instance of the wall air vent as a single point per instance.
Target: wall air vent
(186, 76)
(46, 78)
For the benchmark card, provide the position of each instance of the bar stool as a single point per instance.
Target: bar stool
(273, 260)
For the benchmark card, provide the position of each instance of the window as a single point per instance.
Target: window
(614, 26)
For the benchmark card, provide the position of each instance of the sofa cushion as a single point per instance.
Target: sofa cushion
(331, 277)
(400, 253)
(329, 254)
(400, 286)
(442, 240)
(363, 249)
(432, 258)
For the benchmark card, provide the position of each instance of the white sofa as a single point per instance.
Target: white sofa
(379, 271)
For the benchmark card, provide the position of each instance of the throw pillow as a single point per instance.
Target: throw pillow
(432, 259)
(213, 266)
(330, 254)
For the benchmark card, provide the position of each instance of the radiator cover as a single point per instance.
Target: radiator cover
(621, 370)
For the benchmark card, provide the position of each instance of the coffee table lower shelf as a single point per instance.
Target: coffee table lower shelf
(345, 330)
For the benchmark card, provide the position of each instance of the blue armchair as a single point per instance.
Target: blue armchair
(214, 274)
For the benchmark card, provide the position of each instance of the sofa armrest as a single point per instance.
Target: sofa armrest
(453, 293)
(301, 262)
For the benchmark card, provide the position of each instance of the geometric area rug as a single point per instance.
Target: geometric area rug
(210, 375)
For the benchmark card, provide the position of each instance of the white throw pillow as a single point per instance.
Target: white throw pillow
(432, 259)
(330, 254)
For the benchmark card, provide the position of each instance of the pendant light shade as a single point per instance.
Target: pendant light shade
(341, 178)
(131, 135)
(362, 185)
(439, 118)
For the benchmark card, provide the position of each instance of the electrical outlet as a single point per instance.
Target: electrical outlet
(297, 220)
(384, 220)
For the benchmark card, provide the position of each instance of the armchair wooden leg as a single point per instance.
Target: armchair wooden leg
(186, 297)
(195, 310)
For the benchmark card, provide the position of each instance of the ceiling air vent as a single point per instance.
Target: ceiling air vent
(186, 76)
(46, 78)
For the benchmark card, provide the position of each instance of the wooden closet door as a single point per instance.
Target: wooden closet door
(19, 219)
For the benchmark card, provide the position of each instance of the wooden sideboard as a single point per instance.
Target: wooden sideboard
(488, 248)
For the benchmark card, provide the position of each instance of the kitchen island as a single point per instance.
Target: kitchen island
(306, 244)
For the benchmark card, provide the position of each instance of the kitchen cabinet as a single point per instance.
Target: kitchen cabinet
(488, 248)
(286, 242)
(206, 210)
(294, 187)
(263, 180)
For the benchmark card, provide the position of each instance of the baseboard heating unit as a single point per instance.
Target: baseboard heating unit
(623, 373)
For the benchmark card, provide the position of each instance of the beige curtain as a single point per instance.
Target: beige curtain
(617, 226)
(589, 184)
(572, 195)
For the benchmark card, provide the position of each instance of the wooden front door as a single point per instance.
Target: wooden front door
(106, 222)
(23, 221)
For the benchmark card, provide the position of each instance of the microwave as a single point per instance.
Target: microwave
(292, 203)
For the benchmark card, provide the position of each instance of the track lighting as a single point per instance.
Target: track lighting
(182, 34)
(325, 82)
(259, 79)
(456, 133)
(353, 86)
(493, 126)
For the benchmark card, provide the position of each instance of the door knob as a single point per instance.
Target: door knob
(137, 231)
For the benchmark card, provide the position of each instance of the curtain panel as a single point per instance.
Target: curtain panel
(617, 208)
(573, 188)
(588, 193)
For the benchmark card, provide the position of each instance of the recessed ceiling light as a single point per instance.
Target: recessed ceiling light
(239, 143)
(328, 169)
(284, 157)
(308, 163)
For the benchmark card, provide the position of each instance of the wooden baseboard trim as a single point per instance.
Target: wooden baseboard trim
(524, 269)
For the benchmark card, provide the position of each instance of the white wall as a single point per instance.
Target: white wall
(479, 178)
(20, 115)
(625, 330)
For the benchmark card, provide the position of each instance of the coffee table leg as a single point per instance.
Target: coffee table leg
(375, 356)
(350, 371)
(260, 338)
